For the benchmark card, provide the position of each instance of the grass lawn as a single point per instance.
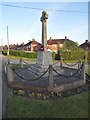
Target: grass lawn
(18, 58)
(72, 107)
(27, 59)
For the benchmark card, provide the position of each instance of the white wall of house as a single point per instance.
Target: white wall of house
(60, 45)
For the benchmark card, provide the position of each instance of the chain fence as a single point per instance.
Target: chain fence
(35, 79)
(68, 75)
(31, 79)
(70, 64)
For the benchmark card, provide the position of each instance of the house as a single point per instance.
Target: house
(85, 46)
(20, 47)
(13, 47)
(54, 44)
(31, 46)
(5, 47)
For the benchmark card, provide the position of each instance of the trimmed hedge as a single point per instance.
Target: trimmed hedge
(67, 55)
(22, 53)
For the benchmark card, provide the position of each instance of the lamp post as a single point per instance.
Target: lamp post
(1, 44)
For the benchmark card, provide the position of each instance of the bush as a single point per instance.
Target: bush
(72, 55)
(4, 52)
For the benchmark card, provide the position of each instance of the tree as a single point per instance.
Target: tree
(70, 45)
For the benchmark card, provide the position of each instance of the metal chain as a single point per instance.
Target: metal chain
(32, 79)
(24, 61)
(69, 64)
(68, 75)
(54, 63)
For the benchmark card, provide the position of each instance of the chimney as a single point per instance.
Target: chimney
(65, 37)
(33, 39)
(50, 38)
(22, 43)
(29, 40)
(86, 41)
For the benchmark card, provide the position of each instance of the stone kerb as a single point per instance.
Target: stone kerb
(68, 86)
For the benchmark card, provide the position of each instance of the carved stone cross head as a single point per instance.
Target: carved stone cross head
(44, 16)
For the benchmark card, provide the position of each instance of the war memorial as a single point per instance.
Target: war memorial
(44, 75)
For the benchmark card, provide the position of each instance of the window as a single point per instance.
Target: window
(60, 45)
(54, 45)
(29, 46)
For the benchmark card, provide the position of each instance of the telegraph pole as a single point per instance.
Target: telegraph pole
(1, 44)
(7, 41)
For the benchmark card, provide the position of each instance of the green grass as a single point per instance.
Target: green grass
(18, 58)
(72, 107)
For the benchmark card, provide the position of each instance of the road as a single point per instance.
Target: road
(3, 88)
(0, 86)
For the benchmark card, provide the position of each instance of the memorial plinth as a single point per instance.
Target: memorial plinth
(44, 59)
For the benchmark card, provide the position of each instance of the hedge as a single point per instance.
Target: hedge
(67, 55)
(22, 53)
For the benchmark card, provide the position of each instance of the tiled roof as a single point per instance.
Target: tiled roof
(85, 46)
(56, 41)
(32, 42)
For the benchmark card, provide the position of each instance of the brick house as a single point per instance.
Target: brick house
(14, 47)
(20, 47)
(31, 46)
(85, 46)
(54, 44)
(11, 47)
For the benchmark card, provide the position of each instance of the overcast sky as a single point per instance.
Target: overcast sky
(24, 24)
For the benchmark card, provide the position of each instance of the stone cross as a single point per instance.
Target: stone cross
(43, 19)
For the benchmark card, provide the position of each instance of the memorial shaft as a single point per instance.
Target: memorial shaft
(44, 18)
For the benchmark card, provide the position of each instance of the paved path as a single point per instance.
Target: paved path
(43, 81)
(0, 86)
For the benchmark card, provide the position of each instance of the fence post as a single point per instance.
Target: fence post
(9, 74)
(61, 63)
(21, 62)
(50, 78)
(79, 65)
(83, 76)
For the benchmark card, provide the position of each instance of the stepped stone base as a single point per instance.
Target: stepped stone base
(43, 61)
